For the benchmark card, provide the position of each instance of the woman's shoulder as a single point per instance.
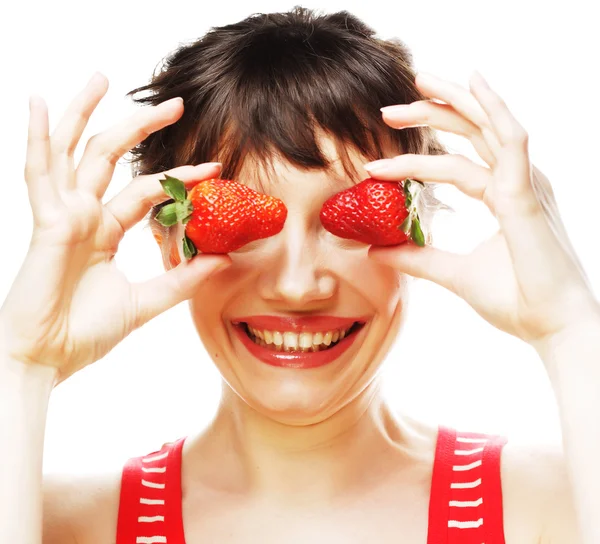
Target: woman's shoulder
(537, 501)
(81, 508)
(84, 507)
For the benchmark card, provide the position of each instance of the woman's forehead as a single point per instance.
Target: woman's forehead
(343, 171)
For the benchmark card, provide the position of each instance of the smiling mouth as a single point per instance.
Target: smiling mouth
(305, 342)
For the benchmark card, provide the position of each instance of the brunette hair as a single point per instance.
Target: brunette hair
(266, 85)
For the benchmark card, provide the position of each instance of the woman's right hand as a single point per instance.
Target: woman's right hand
(69, 304)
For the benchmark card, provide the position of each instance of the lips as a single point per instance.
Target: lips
(297, 359)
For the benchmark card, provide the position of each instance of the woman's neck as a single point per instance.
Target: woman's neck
(245, 452)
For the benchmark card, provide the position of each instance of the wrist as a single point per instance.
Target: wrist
(571, 347)
(21, 375)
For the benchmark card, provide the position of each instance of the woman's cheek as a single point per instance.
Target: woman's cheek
(354, 265)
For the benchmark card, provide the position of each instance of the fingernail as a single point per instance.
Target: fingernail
(398, 108)
(96, 78)
(34, 101)
(379, 254)
(476, 76)
(378, 166)
(222, 265)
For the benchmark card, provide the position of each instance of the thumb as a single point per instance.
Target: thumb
(161, 293)
(429, 263)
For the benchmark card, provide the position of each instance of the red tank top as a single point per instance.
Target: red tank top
(465, 504)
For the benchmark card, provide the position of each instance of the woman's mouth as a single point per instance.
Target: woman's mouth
(297, 348)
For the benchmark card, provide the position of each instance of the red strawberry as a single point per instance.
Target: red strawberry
(220, 215)
(380, 213)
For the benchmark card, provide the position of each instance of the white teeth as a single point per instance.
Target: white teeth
(290, 340)
(306, 340)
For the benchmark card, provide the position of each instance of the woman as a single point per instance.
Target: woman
(289, 105)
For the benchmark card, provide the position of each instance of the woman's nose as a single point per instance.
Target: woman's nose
(298, 273)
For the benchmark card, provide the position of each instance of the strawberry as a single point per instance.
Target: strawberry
(380, 213)
(220, 215)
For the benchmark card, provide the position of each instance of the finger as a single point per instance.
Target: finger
(534, 236)
(458, 170)
(103, 150)
(159, 294)
(462, 101)
(513, 192)
(509, 131)
(37, 161)
(441, 117)
(426, 262)
(132, 204)
(68, 132)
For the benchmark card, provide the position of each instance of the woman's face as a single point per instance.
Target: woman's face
(302, 288)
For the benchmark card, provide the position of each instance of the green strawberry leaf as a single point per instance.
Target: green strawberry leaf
(174, 187)
(184, 210)
(407, 193)
(167, 216)
(189, 249)
(416, 233)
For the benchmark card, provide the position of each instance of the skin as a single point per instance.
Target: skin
(335, 429)
(352, 471)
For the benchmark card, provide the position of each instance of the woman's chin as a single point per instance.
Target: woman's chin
(293, 403)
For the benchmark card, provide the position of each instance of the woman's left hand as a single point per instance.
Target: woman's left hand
(526, 279)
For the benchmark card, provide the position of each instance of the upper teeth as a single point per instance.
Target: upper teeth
(288, 340)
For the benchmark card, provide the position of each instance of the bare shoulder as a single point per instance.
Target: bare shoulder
(537, 499)
(81, 509)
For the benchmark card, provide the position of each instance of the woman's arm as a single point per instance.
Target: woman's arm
(526, 280)
(572, 359)
(24, 396)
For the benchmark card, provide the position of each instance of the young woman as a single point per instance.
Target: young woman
(303, 448)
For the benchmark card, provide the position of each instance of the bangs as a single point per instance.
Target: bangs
(270, 86)
(286, 95)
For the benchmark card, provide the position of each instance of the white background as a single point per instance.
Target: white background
(449, 366)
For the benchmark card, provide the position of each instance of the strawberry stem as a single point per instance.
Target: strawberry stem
(179, 210)
(411, 226)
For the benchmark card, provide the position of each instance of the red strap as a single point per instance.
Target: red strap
(440, 486)
(466, 492)
(174, 516)
(150, 497)
(492, 483)
(128, 502)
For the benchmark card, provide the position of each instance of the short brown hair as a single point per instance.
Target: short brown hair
(265, 85)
